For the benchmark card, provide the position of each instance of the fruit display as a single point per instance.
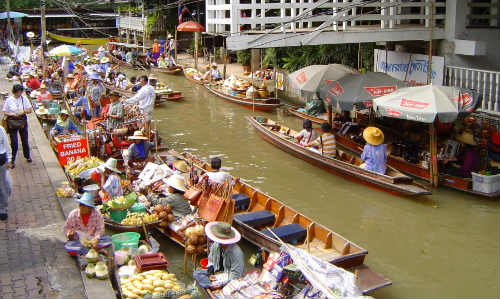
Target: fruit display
(154, 282)
(122, 202)
(139, 218)
(92, 256)
(90, 270)
(65, 190)
(164, 214)
(101, 270)
(82, 164)
(195, 239)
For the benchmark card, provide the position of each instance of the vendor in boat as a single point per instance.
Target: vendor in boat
(64, 125)
(111, 78)
(103, 66)
(375, 151)
(139, 150)
(33, 83)
(69, 91)
(224, 254)
(467, 161)
(325, 143)
(110, 181)
(82, 108)
(115, 112)
(85, 219)
(215, 73)
(307, 134)
(129, 57)
(155, 48)
(44, 93)
(217, 176)
(176, 188)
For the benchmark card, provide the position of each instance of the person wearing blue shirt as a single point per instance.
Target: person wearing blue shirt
(64, 125)
(83, 111)
(375, 152)
(71, 67)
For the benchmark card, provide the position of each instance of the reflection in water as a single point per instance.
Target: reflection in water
(444, 245)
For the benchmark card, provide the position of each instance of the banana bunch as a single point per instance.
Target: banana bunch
(139, 218)
(75, 168)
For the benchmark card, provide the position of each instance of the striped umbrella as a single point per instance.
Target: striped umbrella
(65, 50)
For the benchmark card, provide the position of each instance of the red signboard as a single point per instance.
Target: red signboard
(380, 90)
(413, 104)
(71, 149)
(336, 89)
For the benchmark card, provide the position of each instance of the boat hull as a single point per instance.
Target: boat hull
(267, 105)
(167, 71)
(314, 119)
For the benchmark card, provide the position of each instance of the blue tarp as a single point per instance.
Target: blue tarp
(12, 14)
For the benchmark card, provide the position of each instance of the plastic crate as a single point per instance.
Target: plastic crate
(485, 183)
(128, 239)
(118, 215)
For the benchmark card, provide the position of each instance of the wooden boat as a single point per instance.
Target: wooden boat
(118, 227)
(81, 40)
(346, 165)
(163, 70)
(314, 119)
(414, 170)
(200, 82)
(322, 242)
(265, 104)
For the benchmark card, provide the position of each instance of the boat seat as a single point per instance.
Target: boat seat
(241, 201)
(290, 233)
(256, 219)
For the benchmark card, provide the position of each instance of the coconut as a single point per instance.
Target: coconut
(101, 274)
(90, 270)
(162, 215)
(190, 249)
(170, 218)
(200, 249)
(143, 249)
(91, 256)
(168, 209)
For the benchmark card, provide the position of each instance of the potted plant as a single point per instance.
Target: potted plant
(244, 57)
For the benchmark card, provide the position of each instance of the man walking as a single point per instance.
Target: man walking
(5, 163)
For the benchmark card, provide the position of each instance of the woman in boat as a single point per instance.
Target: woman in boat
(375, 151)
(85, 219)
(224, 254)
(64, 125)
(214, 73)
(176, 188)
(326, 142)
(115, 112)
(110, 181)
(307, 134)
(217, 176)
(44, 94)
(103, 66)
(139, 150)
(467, 161)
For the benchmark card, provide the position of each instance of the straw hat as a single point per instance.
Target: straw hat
(181, 165)
(214, 64)
(41, 111)
(222, 233)
(467, 138)
(138, 135)
(177, 182)
(111, 165)
(104, 60)
(87, 200)
(373, 135)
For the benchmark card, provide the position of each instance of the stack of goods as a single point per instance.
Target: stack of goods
(96, 266)
(195, 239)
(134, 219)
(164, 214)
(132, 113)
(161, 88)
(153, 283)
(82, 164)
(193, 74)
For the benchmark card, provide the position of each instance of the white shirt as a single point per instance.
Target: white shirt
(146, 98)
(15, 105)
(307, 137)
(4, 144)
(122, 83)
(218, 176)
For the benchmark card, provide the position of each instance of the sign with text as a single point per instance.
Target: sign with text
(409, 67)
(279, 81)
(71, 149)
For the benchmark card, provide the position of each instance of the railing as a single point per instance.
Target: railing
(238, 16)
(131, 23)
(487, 83)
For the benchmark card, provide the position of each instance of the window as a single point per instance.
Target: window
(483, 13)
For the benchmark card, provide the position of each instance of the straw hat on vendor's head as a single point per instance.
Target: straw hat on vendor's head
(177, 182)
(222, 233)
(373, 135)
(111, 164)
(114, 94)
(42, 111)
(181, 165)
(138, 135)
(466, 138)
(87, 199)
(104, 60)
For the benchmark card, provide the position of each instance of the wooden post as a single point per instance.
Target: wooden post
(224, 57)
(175, 45)
(196, 36)
(433, 165)
(359, 56)
(143, 30)
(44, 36)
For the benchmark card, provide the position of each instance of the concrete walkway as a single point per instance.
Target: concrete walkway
(33, 262)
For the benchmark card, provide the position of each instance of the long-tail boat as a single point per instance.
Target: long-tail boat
(295, 111)
(188, 75)
(165, 70)
(261, 104)
(346, 165)
(261, 212)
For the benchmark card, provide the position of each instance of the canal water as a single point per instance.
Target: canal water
(444, 245)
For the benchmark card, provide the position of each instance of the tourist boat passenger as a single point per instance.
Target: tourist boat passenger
(224, 254)
(85, 219)
(64, 125)
(121, 81)
(217, 176)
(467, 161)
(307, 134)
(139, 150)
(326, 142)
(375, 152)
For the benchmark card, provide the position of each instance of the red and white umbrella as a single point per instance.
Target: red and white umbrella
(426, 103)
(190, 26)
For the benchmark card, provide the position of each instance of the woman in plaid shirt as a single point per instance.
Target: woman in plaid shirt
(85, 219)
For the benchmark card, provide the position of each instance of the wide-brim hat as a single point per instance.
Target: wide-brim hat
(214, 64)
(87, 199)
(91, 188)
(104, 60)
(64, 111)
(111, 164)
(42, 111)
(177, 182)
(181, 165)
(467, 138)
(222, 233)
(138, 135)
(94, 76)
(373, 135)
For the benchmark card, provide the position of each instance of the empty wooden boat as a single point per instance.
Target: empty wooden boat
(261, 104)
(346, 165)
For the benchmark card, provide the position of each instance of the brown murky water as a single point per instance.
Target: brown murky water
(444, 245)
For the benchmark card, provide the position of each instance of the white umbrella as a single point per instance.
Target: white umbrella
(425, 103)
(306, 81)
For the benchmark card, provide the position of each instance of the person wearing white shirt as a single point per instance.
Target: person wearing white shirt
(217, 176)
(16, 107)
(5, 187)
(146, 99)
(122, 81)
(307, 135)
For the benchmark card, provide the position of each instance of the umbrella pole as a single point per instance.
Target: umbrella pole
(433, 165)
(175, 45)
(253, 87)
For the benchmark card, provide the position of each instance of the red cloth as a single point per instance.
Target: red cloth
(85, 219)
(96, 177)
(33, 83)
